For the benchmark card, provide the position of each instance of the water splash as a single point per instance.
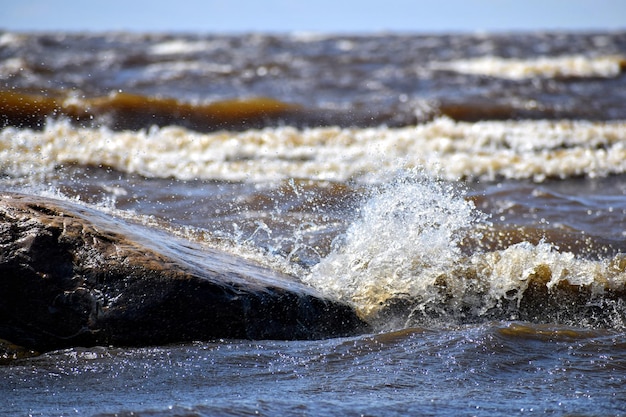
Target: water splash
(407, 235)
(406, 261)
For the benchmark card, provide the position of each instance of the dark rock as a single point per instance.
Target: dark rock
(74, 276)
(10, 352)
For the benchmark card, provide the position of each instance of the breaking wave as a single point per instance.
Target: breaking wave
(453, 150)
(403, 263)
(571, 66)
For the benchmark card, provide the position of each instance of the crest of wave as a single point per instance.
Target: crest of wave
(401, 262)
(407, 235)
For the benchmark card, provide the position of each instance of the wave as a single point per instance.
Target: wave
(126, 111)
(402, 264)
(420, 253)
(491, 150)
(123, 111)
(571, 66)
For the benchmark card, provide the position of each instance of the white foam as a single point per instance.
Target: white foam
(12, 66)
(453, 150)
(179, 46)
(542, 67)
(406, 245)
(406, 236)
(167, 71)
(11, 39)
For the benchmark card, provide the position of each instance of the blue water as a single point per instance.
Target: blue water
(492, 369)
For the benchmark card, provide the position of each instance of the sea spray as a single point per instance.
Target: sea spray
(405, 262)
(407, 235)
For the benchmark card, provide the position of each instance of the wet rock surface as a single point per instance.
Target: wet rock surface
(74, 276)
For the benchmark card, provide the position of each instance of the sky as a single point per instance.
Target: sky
(325, 16)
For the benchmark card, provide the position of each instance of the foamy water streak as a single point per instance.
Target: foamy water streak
(484, 150)
(572, 66)
(406, 246)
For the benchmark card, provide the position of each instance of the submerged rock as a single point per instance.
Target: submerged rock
(74, 276)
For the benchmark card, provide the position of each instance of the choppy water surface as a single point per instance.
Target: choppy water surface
(467, 194)
(490, 369)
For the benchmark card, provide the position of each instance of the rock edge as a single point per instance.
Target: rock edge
(71, 275)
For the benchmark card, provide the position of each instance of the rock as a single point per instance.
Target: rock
(10, 352)
(71, 275)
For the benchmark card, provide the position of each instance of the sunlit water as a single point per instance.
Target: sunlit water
(489, 369)
(466, 194)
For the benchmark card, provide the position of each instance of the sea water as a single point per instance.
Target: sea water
(464, 193)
